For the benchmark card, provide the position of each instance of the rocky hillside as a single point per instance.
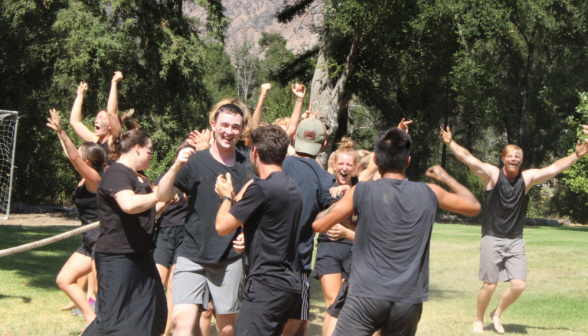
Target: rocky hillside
(249, 18)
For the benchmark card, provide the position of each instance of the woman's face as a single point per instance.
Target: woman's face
(144, 156)
(344, 169)
(101, 124)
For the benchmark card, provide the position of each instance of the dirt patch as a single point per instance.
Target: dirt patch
(43, 219)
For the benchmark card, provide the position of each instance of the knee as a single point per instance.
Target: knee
(180, 320)
(489, 287)
(227, 330)
(61, 281)
(518, 286)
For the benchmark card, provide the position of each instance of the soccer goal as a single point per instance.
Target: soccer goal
(8, 124)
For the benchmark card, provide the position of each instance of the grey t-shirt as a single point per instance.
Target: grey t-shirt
(391, 248)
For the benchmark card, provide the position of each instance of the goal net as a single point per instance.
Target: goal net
(8, 124)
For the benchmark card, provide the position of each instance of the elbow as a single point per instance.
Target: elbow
(221, 228)
(316, 226)
(474, 210)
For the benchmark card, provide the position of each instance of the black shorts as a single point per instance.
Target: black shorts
(335, 309)
(333, 258)
(89, 243)
(167, 245)
(131, 298)
(363, 316)
(264, 310)
(301, 311)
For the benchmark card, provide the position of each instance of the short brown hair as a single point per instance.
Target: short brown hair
(271, 143)
(509, 149)
(125, 142)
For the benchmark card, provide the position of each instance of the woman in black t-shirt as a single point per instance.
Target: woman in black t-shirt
(89, 161)
(131, 298)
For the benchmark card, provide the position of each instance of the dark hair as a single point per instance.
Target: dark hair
(184, 145)
(96, 154)
(124, 142)
(392, 150)
(271, 143)
(229, 109)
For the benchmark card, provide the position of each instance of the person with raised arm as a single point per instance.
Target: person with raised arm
(89, 161)
(268, 209)
(208, 267)
(256, 118)
(502, 248)
(390, 274)
(131, 298)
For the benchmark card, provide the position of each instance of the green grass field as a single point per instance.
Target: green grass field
(555, 302)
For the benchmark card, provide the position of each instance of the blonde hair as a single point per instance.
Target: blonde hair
(345, 147)
(364, 158)
(511, 148)
(283, 121)
(246, 115)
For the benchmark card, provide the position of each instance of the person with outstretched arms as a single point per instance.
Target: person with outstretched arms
(502, 248)
(269, 210)
(389, 278)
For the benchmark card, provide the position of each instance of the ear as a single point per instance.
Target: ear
(502, 159)
(212, 123)
(324, 145)
(407, 163)
(137, 148)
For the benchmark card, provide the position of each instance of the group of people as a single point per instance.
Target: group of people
(232, 226)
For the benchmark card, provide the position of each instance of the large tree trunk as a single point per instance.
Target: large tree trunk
(330, 97)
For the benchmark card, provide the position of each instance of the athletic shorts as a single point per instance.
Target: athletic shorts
(363, 316)
(333, 258)
(302, 309)
(502, 258)
(89, 243)
(220, 283)
(335, 309)
(265, 310)
(167, 244)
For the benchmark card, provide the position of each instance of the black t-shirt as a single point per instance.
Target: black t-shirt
(121, 232)
(174, 214)
(391, 249)
(323, 237)
(315, 184)
(505, 208)
(270, 212)
(86, 204)
(202, 244)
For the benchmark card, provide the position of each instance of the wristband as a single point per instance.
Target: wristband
(227, 197)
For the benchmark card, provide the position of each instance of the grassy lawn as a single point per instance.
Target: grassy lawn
(555, 302)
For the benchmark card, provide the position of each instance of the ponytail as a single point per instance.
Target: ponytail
(96, 154)
(124, 142)
(130, 123)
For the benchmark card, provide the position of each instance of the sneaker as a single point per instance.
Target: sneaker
(77, 312)
(92, 303)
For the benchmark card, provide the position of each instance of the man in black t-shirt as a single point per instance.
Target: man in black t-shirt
(208, 268)
(502, 248)
(269, 211)
(390, 275)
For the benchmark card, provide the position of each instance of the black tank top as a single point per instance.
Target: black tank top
(505, 208)
(86, 204)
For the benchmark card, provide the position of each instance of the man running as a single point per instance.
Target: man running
(269, 211)
(208, 268)
(389, 279)
(502, 249)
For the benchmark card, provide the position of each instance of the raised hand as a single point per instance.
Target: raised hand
(309, 114)
(118, 76)
(183, 156)
(224, 187)
(582, 147)
(265, 89)
(203, 142)
(404, 125)
(239, 243)
(437, 173)
(446, 136)
(82, 88)
(299, 90)
(54, 122)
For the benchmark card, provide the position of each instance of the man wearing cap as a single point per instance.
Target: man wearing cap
(315, 184)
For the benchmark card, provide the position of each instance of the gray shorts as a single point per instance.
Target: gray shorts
(221, 283)
(502, 258)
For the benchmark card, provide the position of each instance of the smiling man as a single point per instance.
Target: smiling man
(502, 249)
(208, 268)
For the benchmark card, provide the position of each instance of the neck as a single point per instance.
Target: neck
(266, 170)
(510, 175)
(103, 138)
(306, 156)
(223, 155)
(128, 160)
(393, 176)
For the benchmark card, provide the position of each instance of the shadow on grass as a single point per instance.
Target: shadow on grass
(24, 298)
(522, 329)
(438, 293)
(36, 270)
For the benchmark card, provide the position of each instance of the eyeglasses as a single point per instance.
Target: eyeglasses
(150, 151)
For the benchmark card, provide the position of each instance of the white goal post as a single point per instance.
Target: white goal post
(8, 126)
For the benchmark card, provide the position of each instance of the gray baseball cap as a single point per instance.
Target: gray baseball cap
(310, 137)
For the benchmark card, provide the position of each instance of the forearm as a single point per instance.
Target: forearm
(295, 118)
(368, 173)
(70, 149)
(166, 189)
(460, 153)
(562, 164)
(350, 235)
(223, 224)
(456, 187)
(139, 203)
(160, 208)
(76, 111)
(112, 109)
(256, 118)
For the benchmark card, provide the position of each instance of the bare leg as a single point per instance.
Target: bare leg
(81, 282)
(484, 296)
(295, 327)
(206, 321)
(167, 331)
(163, 273)
(509, 297)
(226, 324)
(330, 283)
(77, 266)
(91, 293)
(332, 324)
(185, 318)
